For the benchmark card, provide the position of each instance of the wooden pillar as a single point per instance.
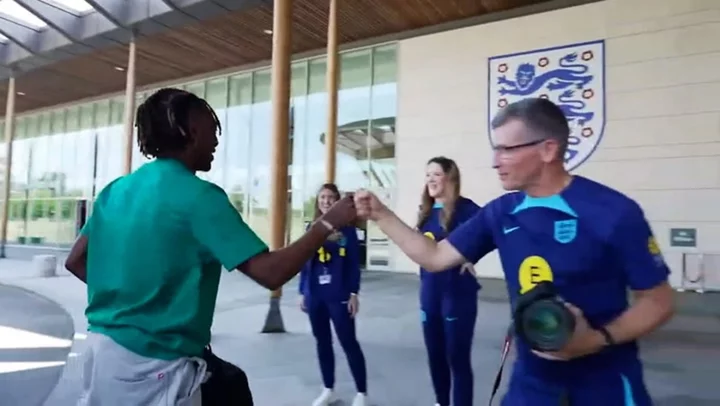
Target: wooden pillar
(129, 116)
(9, 136)
(280, 84)
(332, 92)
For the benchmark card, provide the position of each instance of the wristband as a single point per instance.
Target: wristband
(609, 340)
(326, 224)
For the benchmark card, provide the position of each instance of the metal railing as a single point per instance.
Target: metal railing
(700, 272)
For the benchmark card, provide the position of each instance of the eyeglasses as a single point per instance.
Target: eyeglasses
(505, 149)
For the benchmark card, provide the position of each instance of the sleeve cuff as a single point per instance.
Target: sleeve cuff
(259, 249)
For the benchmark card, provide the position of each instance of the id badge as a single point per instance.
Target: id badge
(324, 279)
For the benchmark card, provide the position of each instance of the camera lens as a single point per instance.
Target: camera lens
(544, 322)
(547, 325)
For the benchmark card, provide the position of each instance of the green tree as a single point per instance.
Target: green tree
(238, 200)
(309, 207)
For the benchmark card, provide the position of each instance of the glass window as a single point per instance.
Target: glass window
(74, 181)
(261, 134)
(46, 178)
(68, 154)
(72, 119)
(18, 205)
(382, 125)
(353, 115)
(198, 88)
(385, 65)
(44, 122)
(298, 161)
(21, 157)
(86, 117)
(315, 127)
(381, 147)
(110, 144)
(32, 127)
(57, 123)
(316, 81)
(117, 110)
(89, 135)
(216, 94)
(236, 137)
(3, 150)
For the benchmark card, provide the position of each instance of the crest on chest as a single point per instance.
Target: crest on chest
(565, 231)
(541, 217)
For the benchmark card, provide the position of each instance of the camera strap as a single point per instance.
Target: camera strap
(503, 357)
(507, 344)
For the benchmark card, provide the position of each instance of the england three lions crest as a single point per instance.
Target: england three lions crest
(571, 76)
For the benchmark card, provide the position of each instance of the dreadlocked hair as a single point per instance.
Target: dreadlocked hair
(162, 121)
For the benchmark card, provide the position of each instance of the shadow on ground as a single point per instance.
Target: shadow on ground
(681, 360)
(34, 345)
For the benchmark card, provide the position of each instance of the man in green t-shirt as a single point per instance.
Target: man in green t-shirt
(151, 255)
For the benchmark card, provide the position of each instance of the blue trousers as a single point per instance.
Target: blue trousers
(321, 312)
(617, 387)
(448, 328)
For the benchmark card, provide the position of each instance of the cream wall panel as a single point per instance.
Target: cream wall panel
(661, 144)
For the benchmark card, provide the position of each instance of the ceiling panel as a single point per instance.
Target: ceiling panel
(234, 39)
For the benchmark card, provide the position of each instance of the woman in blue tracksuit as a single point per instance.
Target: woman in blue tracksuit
(448, 300)
(329, 286)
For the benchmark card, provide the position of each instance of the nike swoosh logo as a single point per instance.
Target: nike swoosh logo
(450, 318)
(509, 230)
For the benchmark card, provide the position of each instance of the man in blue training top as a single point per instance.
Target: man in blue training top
(591, 241)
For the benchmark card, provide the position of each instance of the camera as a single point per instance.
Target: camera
(542, 320)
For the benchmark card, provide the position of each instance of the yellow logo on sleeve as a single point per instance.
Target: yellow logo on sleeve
(653, 246)
(654, 250)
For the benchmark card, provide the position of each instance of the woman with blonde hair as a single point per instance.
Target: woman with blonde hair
(448, 300)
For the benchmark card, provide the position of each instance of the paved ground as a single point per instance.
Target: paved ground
(682, 361)
(35, 339)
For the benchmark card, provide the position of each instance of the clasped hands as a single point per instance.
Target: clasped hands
(361, 204)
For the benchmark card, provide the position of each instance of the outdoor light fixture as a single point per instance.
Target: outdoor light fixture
(268, 32)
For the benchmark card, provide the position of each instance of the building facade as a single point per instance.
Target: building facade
(661, 138)
(66, 155)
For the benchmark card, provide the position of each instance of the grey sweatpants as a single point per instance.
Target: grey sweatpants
(115, 376)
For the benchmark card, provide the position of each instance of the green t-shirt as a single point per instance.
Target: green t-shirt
(157, 239)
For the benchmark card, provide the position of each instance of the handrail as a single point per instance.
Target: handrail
(696, 281)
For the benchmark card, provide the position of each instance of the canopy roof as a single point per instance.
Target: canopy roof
(67, 50)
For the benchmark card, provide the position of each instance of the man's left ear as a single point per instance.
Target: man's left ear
(550, 151)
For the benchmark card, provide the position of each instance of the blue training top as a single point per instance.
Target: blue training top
(334, 271)
(451, 282)
(591, 241)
